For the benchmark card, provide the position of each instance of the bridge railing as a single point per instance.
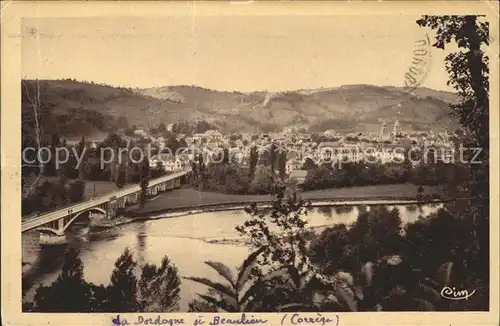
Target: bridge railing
(74, 208)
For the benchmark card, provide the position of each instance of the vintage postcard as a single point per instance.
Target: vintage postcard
(249, 163)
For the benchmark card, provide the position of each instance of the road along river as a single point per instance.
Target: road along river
(188, 241)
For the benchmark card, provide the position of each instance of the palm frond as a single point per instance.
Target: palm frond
(219, 287)
(430, 294)
(253, 293)
(246, 268)
(216, 303)
(345, 298)
(296, 306)
(358, 292)
(305, 278)
(252, 290)
(424, 305)
(223, 270)
(443, 275)
(294, 275)
(367, 271)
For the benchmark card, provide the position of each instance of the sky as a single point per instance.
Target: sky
(242, 53)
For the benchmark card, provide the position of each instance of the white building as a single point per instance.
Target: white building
(214, 134)
(292, 165)
(140, 132)
(329, 133)
(198, 137)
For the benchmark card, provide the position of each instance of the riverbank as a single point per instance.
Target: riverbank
(188, 241)
(188, 200)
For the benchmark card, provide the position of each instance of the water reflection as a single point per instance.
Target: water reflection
(412, 208)
(326, 210)
(189, 241)
(141, 243)
(363, 208)
(343, 209)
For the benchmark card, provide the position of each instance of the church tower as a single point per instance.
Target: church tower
(396, 129)
(383, 131)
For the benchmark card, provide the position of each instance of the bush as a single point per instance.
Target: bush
(76, 191)
(156, 290)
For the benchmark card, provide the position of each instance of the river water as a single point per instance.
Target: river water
(187, 240)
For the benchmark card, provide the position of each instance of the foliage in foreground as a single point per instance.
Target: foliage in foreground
(375, 264)
(157, 289)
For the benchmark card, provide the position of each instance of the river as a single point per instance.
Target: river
(187, 240)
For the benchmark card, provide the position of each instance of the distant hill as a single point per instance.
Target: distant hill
(75, 108)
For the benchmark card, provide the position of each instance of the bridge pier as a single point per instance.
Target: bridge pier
(56, 222)
(120, 202)
(60, 226)
(111, 208)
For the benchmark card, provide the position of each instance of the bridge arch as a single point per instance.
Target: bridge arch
(49, 229)
(46, 230)
(98, 209)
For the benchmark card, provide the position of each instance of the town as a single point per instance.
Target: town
(329, 147)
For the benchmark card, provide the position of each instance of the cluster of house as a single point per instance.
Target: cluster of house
(383, 147)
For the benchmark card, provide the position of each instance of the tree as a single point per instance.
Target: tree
(309, 164)
(468, 73)
(114, 142)
(391, 284)
(129, 132)
(262, 182)
(468, 68)
(127, 164)
(144, 181)
(281, 232)
(319, 178)
(376, 233)
(172, 143)
(225, 155)
(80, 151)
(50, 169)
(282, 164)
(226, 177)
(69, 293)
(236, 296)
(157, 290)
(273, 158)
(76, 191)
(182, 143)
(290, 281)
(122, 291)
(435, 240)
(162, 128)
(331, 250)
(199, 171)
(122, 122)
(254, 158)
(120, 179)
(159, 287)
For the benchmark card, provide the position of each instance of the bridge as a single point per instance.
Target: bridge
(56, 222)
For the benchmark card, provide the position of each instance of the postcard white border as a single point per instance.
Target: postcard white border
(11, 15)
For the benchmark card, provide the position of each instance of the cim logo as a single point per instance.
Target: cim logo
(454, 294)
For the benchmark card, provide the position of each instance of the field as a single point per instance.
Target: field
(97, 188)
